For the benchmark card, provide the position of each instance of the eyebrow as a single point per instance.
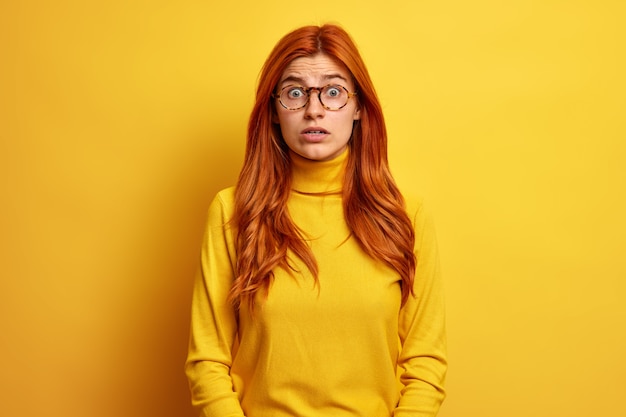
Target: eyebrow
(325, 77)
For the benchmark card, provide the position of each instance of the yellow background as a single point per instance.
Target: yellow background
(119, 121)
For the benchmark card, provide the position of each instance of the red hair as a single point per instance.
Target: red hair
(373, 205)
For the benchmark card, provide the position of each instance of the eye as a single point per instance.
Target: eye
(295, 92)
(333, 91)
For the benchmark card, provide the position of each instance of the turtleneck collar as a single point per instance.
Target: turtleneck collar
(323, 177)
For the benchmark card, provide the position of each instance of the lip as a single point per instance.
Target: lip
(314, 134)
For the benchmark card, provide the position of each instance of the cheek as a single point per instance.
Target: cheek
(286, 121)
(348, 123)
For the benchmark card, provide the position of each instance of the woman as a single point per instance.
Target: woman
(319, 292)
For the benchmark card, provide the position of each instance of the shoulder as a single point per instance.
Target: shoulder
(226, 196)
(222, 207)
(414, 204)
(421, 216)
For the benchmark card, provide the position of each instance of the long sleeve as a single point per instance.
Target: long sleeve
(326, 349)
(422, 359)
(213, 320)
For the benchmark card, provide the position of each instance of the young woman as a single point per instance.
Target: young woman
(319, 292)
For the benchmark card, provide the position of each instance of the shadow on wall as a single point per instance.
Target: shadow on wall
(152, 320)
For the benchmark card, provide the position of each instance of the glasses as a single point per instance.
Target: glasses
(332, 96)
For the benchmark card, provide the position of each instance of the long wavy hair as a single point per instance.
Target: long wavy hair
(373, 206)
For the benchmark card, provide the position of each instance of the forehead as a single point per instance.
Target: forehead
(315, 69)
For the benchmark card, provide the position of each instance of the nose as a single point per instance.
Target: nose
(314, 108)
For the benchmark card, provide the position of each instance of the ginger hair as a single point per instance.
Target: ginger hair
(373, 206)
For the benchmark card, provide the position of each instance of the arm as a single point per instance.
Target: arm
(213, 322)
(422, 359)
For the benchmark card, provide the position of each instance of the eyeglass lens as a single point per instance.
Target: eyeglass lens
(332, 97)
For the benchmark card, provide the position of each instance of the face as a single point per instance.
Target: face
(313, 131)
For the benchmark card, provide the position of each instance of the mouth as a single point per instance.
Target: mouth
(314, 131)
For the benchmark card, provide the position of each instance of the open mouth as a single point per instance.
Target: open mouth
(315, 132)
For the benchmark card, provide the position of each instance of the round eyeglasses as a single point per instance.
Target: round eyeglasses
(332, 96)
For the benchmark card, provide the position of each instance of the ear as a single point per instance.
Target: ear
(275, 119)
(357, 113)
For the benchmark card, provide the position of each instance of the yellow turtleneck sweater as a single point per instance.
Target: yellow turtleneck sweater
(337, 350)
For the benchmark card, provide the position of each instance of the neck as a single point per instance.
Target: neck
(323, 177)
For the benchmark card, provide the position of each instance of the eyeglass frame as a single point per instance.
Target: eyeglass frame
(307, 91)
